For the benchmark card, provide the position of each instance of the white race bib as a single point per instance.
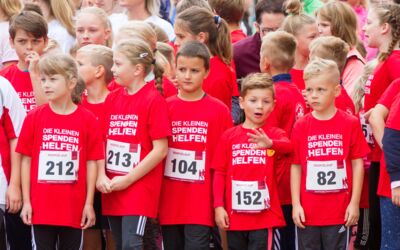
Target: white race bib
(367, 130)
(122, 156)
(326, 176)
(58, 166)
(185, 165)
(250, 196)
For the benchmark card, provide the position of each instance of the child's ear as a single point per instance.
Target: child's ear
(100, 70)
(264, 64)
(202, 37)
(338, 90)
(73, 82)
(241, 100)
(138, 69)
(385, 28)
(107, 34)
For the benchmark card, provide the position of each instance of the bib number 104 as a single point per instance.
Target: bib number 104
(184, 167)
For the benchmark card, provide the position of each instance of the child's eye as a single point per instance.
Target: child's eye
(195, 70)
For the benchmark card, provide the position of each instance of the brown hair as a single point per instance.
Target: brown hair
(33, 7)
(139, 29)
(195, 49)
(268, 6)
(162, 36)
(319, 67)
(332, 48)
(10, 7)
(389, 13)
(60, 64)
(343, 21)
(30, 22)
(166, 50)
(257, 81)
(230, 10)
(296, 19)
(139, 52)
(196, 20)
(186, 4)
(100, 56)
(279, 47)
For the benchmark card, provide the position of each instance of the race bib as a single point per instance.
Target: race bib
(122, 156)
(185, 165)
(367, 130)
(326, 176)
(250, 196)
(58, 166)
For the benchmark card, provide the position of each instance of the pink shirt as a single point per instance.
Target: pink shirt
(352, 70)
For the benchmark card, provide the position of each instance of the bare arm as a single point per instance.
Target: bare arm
(377, 121)
(14, 196)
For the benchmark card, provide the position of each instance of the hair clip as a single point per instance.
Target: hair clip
(217, 20)
(143, 55)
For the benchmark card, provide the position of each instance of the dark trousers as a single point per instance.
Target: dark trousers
(362, 237)
(56, 237)
(284, 238)
(374, 208)
(18, 234)
(128, 231)
(3, 243)
(250, 240)
(186, 237)
(323, 237)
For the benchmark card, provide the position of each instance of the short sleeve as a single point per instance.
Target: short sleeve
(26, 137)
(358, 145)
(295, 138)
(159, 124)
(389, 95)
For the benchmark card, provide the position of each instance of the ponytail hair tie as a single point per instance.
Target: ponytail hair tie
(153, 62)
(217, 20)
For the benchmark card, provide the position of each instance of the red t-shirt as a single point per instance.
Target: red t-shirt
(290, 106)
(186, 196)
(134, 120)
(327, 147)
(384, 74)
(239, 162)
(297, 77)
(58, 195)
(96, 108)
(221, 82)
(21, 81)
(391, 100)
(344, 102)
(237, 35)
(12, 115)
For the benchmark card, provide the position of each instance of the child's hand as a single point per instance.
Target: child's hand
(352, 214)
(103, 184)
(396, 196)
(221, 218)
(119, 183)
(32, 61)
(13, 199)
(298, 216)
(259, 137)
(26, 214)
(88, 217)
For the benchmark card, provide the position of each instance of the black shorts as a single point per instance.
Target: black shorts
(46, 237)
(335, 237)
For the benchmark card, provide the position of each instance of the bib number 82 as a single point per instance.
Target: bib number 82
(51, 165)
(327, 178)
(248, 197)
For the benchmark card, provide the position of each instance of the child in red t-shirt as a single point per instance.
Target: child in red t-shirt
(94, 67)
(60, 143)
(197, 120)
(28, 36)
(202, 25)
(245, 192)
(384, 121)
(327, 170)
(136, 128)
(277, 58)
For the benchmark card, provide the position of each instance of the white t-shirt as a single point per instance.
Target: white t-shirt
(7, 54)
(61, 35)
(119, 19)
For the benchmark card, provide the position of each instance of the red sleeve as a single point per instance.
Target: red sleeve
(26, 138)
(159, 124)
(95, 147)
(296, 132)
(281, 142)
(219, 188)
(221, 160)
(389, 94)
(358, 145)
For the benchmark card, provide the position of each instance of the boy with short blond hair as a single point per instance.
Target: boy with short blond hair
(327, 170)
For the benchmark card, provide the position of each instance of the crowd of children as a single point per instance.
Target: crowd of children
(123, 130)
